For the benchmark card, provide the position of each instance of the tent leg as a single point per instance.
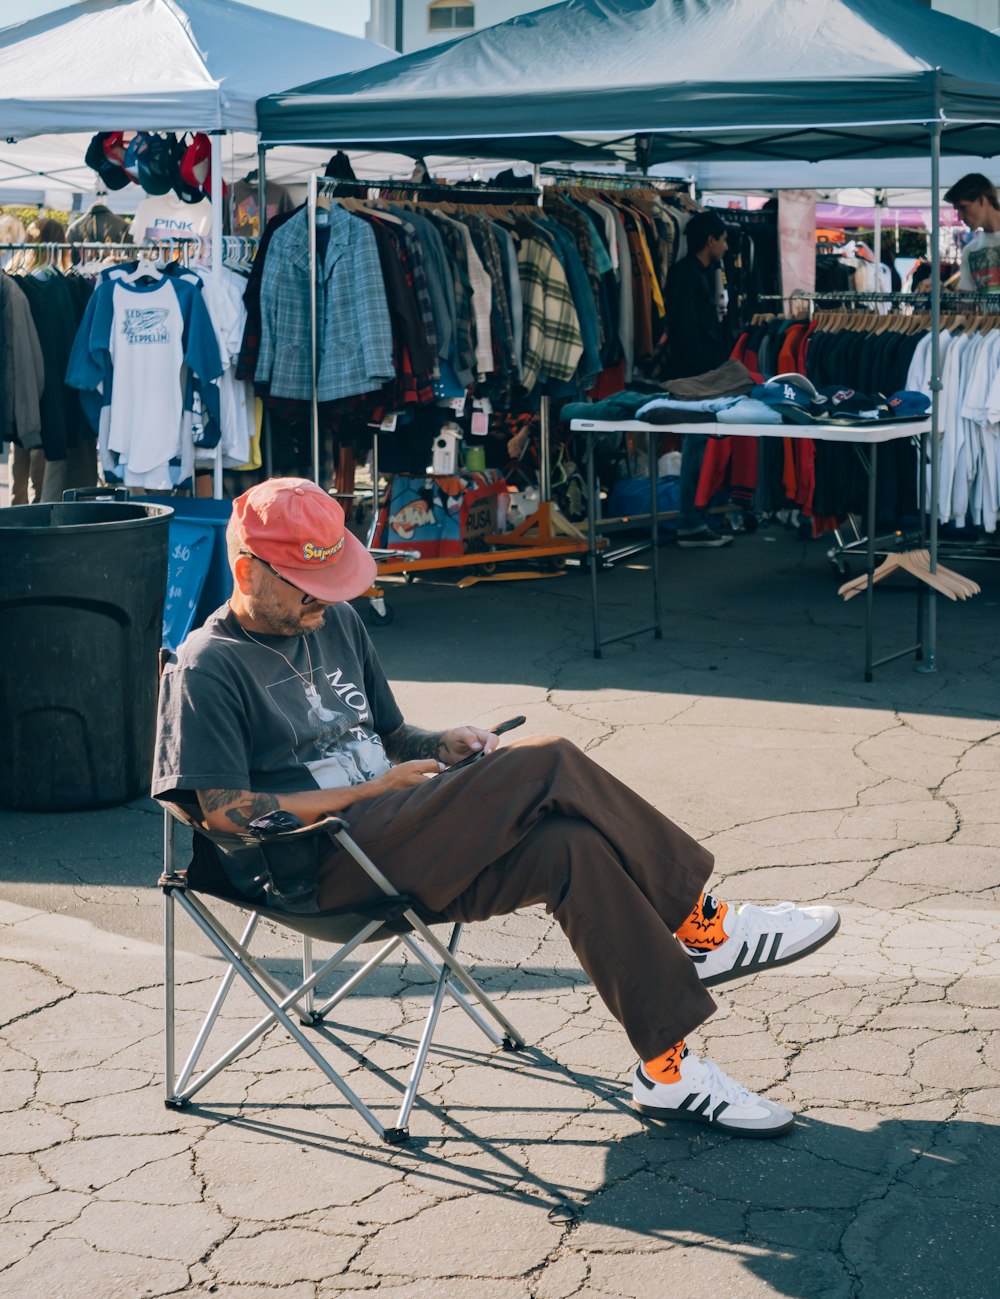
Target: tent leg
(314, 338)
(930, 640)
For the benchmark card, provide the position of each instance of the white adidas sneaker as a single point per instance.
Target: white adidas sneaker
(758, 938)
(708, 1096)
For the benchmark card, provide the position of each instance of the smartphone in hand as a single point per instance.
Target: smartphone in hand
(497, 730)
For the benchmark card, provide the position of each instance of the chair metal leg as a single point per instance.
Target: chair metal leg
(213, 1012)
(308, 1004)
(516, 1041)
(426, 1037)
(272, 981)
(348, 986)
(168, 994)
(514, 1038)
(279, 1013)
(485, 1027)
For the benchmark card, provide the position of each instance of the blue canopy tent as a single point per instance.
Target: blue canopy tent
(655, 81)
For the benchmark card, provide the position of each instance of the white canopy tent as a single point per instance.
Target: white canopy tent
(148, 65)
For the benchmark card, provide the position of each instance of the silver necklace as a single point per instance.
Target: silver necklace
(307, 681)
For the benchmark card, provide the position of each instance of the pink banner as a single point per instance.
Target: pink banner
(797, 240)
(837, 214)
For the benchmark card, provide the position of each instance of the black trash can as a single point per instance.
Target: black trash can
(82, 586)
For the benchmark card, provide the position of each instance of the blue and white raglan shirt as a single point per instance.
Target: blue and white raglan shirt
(139, 354)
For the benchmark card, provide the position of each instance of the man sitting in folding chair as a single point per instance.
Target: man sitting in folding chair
(278, 704)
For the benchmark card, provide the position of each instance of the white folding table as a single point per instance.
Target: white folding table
(865, 436)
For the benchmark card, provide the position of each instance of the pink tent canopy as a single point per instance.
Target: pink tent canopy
(838, 214)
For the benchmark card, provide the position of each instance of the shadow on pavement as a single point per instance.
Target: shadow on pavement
(758, 620)
(858, 1209)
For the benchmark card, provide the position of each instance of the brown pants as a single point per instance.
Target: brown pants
(539, 822)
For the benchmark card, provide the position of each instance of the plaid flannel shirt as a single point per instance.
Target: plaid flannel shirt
(353, 325)
(552, 342)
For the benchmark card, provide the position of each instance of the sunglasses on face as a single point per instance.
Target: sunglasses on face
(306, 599)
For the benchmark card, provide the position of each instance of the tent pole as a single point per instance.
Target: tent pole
(930, 642)
(216, 142)
(215, 139)
(261, 189)
(265, 422)
(314, 333)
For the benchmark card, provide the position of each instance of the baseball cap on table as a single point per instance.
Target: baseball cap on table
(907, 404)
(298, 529)
(841, 400)
(790, 398)
(806, 385)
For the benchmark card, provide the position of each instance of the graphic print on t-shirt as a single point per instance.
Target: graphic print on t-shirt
(145, 326)
(329, 720)
(984, 268)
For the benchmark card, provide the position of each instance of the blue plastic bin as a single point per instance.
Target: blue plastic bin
(206, 577)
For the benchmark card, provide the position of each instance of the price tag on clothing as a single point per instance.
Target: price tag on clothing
(480, 423)
(388, 425)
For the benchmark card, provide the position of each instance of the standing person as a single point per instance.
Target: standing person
(697, 340)
(283, 681)
(974, 198)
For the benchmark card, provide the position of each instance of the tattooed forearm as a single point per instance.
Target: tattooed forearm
(241, 806)
(412, 742)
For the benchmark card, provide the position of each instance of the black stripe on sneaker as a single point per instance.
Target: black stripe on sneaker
(688, 1101)
(774, 946)
(703, 1106)
(739, 960)
(759, 949)
(722, 1105)
(646, 1082)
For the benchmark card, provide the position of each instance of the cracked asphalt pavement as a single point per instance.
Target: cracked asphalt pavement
(528, 1176)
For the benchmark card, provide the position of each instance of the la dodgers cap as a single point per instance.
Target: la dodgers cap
(297, 528)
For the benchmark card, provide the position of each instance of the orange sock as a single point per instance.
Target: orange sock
(703, 931)
(666, 1068)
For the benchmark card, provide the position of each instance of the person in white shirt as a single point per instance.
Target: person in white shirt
(975, 199)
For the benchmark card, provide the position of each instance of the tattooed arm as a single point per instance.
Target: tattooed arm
(449, 747)
(232, 810)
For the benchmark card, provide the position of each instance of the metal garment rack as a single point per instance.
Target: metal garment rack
(952, 300)
(864, 437)
(178, 250)
(958, 301)
(545, 535)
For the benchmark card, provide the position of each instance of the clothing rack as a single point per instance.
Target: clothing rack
(179, 250)
(545, 535)
(920, 300)
(563, 177)
(427, 191)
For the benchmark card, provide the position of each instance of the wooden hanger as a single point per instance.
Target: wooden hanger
(917, 564)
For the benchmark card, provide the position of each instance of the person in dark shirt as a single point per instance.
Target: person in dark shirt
(698, 343)
(279, 703)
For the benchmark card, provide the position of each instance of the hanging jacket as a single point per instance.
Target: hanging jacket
(354, 333)
(24, 368)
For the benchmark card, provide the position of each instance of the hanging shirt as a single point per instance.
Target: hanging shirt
(135, 357)
(165, 216)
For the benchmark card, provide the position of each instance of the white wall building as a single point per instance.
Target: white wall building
(428, 22)
(984, 12)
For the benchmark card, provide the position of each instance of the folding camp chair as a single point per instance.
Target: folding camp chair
(392, 919)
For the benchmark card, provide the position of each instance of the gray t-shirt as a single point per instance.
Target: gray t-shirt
(273, 714)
